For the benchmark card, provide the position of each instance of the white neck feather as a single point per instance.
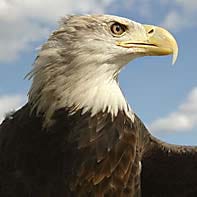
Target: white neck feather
(92, 88)
(96, 92)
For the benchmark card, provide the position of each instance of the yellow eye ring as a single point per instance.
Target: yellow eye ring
(117, 29)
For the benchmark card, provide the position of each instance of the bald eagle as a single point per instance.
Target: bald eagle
(77, 135)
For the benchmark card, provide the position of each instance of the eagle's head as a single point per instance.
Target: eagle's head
(77, 67)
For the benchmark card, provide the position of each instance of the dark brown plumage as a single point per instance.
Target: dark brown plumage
(77, 136)
(92, 160)
(169, 170)
(96, 156)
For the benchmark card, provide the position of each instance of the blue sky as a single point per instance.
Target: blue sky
(163, 96)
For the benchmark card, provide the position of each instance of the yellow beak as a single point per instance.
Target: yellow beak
(158, 42)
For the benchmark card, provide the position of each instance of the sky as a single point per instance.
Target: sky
(162, 95)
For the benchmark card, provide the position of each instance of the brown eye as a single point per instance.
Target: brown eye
(118, 29)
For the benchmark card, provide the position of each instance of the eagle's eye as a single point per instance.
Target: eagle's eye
(117, 29)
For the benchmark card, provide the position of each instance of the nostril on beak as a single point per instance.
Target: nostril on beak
(151, 31)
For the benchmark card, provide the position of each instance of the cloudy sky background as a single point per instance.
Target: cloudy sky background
(164, 96)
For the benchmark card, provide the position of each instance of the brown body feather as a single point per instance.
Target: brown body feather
(77, 156)
(169, 170)
(104, 161)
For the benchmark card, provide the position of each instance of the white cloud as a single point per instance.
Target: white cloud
(23, 22)
(184, 119)
(17, 36)
(173, 20)
(181, 15)
(9, 103)
(50, 11)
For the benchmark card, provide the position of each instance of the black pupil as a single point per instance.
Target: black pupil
(118, 28)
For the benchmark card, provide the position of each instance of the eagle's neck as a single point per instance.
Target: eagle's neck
(90, 87)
